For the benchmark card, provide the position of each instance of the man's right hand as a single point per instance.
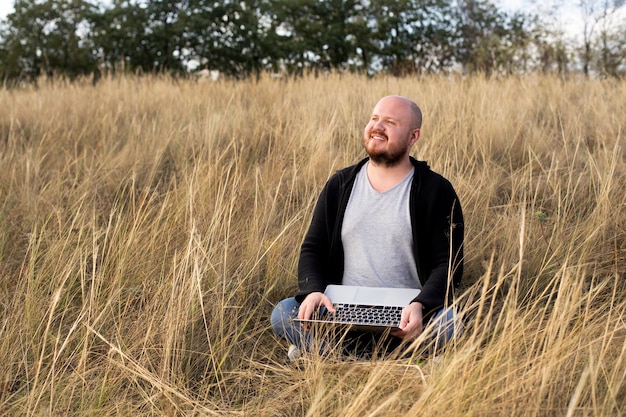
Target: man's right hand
(311, 303)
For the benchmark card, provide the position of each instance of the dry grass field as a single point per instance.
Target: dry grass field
(147, 227)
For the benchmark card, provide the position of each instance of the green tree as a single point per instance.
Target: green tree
(236, 38)
(164, 36)
(612, 52)
(480, 31)
(412, 36)
(322, 35)
(299, 31)
(142, 36)
(48, 37)
(145, 36)
(611, 40)
(119, 34)
(243, 38)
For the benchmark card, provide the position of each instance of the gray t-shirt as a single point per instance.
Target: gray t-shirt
(376, 236)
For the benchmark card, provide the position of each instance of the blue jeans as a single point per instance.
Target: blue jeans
(444, 326)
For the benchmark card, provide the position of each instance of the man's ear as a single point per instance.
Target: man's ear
(415, 135)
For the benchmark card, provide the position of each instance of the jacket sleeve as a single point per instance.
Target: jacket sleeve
(440, 247)
(314, 261)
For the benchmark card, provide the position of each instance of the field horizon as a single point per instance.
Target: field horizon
(148, 226)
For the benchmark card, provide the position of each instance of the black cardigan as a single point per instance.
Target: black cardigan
(437, 227)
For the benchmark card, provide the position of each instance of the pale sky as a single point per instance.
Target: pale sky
(6, 7)
(568, 19)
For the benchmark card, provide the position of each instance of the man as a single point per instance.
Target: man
(388, 221)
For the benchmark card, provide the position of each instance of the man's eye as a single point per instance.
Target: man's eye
(391, 122)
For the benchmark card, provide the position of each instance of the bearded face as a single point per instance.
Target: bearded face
(384, 152)
(390, 132)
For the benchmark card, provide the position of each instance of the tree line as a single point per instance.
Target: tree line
(73, 38)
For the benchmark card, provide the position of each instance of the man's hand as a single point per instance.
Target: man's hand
(311, 303)
(411, 325)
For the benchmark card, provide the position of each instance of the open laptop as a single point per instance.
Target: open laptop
(365, 308)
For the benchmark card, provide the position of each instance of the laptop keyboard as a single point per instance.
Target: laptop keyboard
(366, 315)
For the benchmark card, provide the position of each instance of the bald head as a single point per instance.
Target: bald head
(412, 109)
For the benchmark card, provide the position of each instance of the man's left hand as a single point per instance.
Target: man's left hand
(411, 322)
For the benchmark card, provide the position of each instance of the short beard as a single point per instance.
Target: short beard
(386, 160)
(389, 158)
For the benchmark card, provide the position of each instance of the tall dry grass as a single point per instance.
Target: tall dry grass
(147, 227)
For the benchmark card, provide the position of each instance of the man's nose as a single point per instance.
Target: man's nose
(378, 125)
